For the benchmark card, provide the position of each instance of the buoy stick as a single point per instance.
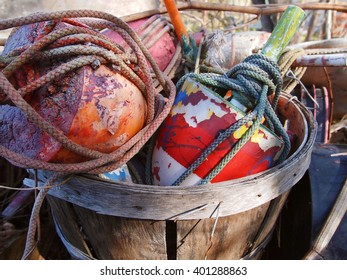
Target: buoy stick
(283, 32)
(176, 20)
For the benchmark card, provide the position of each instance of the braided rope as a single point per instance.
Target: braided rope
(251, 81)
(220, 138)
(53, 45)
(286, 60)
(30, 241)
(58, 44)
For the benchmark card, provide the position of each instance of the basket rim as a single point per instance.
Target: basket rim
(189, 202)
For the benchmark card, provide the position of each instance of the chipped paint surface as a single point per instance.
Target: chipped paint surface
(166, 169)
(283, 32)
(162, 50)
(190, 129)
(120, 174)
(197, 105)
(97, 108)
(112, 110)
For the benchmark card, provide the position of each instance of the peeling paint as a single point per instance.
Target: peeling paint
(190, 129)
(97, 108)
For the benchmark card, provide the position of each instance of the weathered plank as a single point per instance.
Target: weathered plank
(133, 221)
(123, 239)
(143, 202)
(65, 216)
(232, 237)
(168, 202)
(266, 228)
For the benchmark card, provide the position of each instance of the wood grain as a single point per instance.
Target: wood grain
(232, 237)
(69, 223)
(270, 219)
(195, 202)
(134, 221)
(123, 239)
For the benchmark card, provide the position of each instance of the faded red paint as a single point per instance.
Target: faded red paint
(182, 138)
(162, 51)
(111, 117)
(99, 109)
(185, 144)
(156, 173)
(26, 35)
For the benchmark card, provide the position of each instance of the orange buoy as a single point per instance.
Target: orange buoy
(96, 107)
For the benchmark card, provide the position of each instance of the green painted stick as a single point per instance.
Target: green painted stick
(278, 40)
(283, 32)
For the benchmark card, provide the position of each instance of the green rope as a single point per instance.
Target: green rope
(221, 137)
(239, 144)
(251, 81)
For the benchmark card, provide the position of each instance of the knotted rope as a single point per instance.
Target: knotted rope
(105, 51)
(251, 81)
(82, 45)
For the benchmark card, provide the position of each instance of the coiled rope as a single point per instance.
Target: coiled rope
(251, 81)
(71, 42)
(106, 51)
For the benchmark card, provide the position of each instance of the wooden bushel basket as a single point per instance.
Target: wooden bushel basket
(96, 218)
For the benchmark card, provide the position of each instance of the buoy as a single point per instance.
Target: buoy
(95, 105)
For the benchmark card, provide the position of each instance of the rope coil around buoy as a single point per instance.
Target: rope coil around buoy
(251, 81)
(104, 51)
